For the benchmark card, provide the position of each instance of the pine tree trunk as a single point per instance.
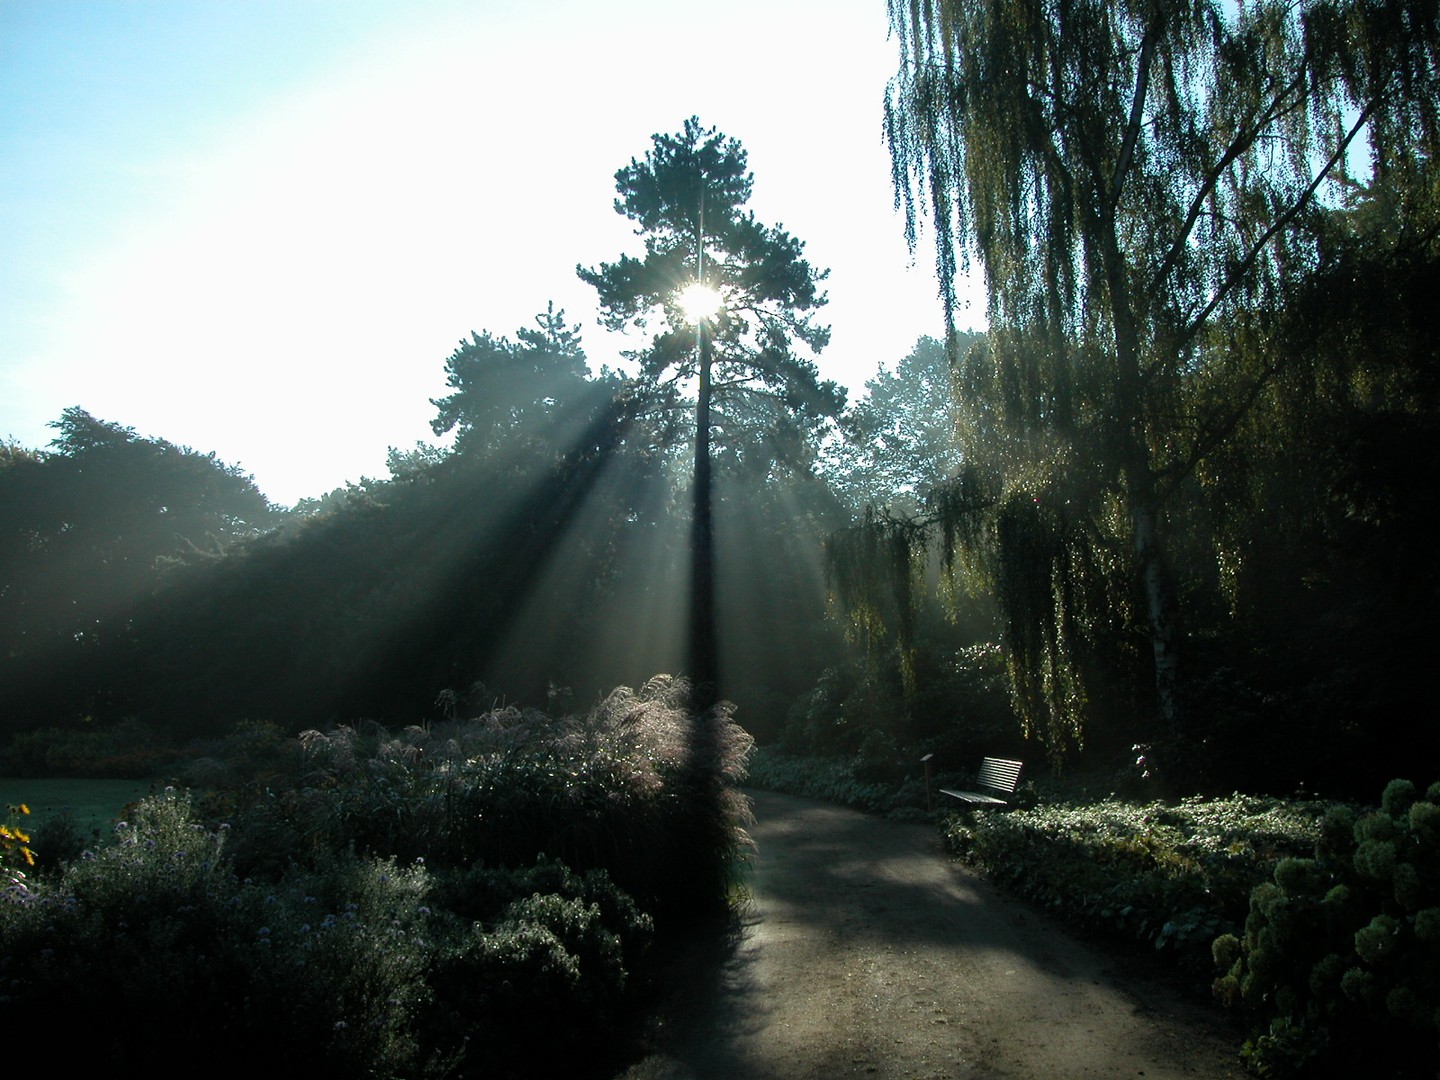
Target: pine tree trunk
(704, 662)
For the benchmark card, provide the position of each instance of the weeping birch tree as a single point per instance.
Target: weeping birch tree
(1139, 182)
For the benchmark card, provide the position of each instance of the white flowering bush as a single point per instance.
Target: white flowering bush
(1338, 965)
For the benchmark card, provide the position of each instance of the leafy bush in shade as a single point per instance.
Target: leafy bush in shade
(533, 946)
(58, 839)
(1338, 965)
(158, 953)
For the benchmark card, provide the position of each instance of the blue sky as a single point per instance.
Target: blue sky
(259, 228)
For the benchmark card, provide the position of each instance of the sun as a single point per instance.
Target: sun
(700, 301)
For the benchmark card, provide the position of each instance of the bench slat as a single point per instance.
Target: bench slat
(1000, 774)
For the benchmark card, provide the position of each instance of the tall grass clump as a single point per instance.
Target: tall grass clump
(1338, 964)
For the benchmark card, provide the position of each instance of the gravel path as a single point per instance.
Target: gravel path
(865, 952)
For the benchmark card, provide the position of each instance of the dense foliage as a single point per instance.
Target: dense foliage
(475, 897)
(1172, 875)
(1185, 453)
(87, 531)
(1338, 966)
(543, 556)
(638, 786)
(1140, 184)
(899, 438)
(849, 782)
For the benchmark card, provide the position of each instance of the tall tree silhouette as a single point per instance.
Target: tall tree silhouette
(757, 397)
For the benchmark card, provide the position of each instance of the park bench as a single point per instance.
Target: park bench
(998, 777)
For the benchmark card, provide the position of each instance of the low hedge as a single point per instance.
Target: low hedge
(1169, 875)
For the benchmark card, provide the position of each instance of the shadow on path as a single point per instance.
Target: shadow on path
(865, 952)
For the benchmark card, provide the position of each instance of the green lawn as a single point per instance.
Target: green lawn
(95, 803)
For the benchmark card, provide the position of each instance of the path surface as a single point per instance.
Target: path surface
(865, 952)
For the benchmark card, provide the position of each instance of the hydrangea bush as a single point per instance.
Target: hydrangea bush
(1339, 962)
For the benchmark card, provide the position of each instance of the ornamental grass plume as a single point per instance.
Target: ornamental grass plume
(640, 786)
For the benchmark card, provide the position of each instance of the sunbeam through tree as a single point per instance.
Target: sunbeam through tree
(687, 199)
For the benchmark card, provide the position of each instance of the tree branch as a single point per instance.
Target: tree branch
(1137, 115)
(1243, 141)
(1244, 266)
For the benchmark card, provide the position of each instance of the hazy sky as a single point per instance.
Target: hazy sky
(260, 228)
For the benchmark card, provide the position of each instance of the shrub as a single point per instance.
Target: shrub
(482, 894)
(156, 925)
(1338, 965)
(841, 781)
(536, 977)
(892, 707)
(58, 840)
(351, 966)
(378, 906)
(125, 750)
(252, 750)
(639, 786)
(1172, 876)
